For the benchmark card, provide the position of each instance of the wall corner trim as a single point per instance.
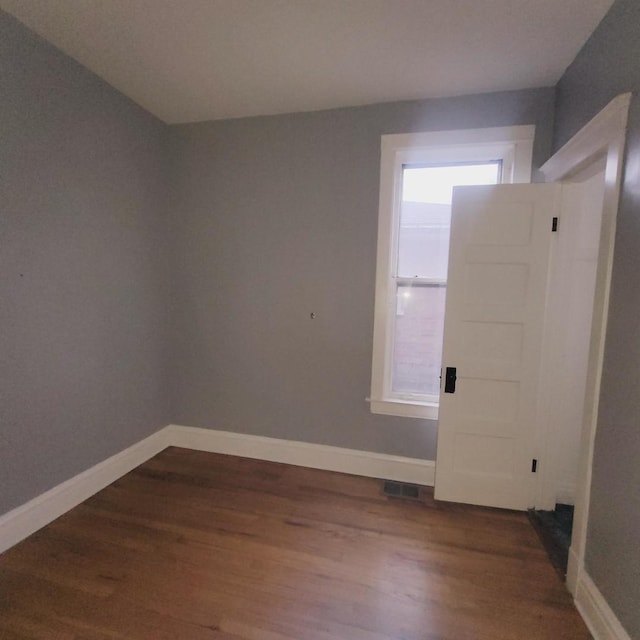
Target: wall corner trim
(305, 454)
(595, 611)
(26, 519)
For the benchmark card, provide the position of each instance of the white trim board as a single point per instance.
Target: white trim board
(591, 141)
(26, 519)
(305, 454)
(597, 614)
(21, 522)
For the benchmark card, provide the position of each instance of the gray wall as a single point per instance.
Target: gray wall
(609, 64)
(274, 218)
(82, 370)
(270, 219)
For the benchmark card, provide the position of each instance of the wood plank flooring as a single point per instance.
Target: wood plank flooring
(199, 546)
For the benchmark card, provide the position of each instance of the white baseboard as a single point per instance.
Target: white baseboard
(21, 522)
(304, 454)
(597, 614)
(35, 514)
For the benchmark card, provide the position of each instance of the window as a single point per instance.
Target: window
(417, 176)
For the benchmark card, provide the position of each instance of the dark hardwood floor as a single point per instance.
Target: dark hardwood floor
(199, 546)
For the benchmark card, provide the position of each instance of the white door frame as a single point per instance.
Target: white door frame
(602, 137)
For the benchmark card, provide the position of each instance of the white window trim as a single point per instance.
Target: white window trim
(512, 145)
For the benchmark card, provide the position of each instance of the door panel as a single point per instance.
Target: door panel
(496, 298)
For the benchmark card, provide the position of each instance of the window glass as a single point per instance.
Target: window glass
(417, 342)
(425, 214)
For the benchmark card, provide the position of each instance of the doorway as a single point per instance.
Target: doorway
(602, 140)
(568, 334)
(569, 320)
(589, 170)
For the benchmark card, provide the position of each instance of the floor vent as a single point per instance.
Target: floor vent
(401, 490)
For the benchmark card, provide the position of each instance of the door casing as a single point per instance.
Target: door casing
(603, 137)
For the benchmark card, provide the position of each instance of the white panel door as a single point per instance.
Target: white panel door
(501, 240)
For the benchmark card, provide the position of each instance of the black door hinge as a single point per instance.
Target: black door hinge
(450, 380)
(534, 465)
(554, 225)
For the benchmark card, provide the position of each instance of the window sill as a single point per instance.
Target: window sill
(405, 408)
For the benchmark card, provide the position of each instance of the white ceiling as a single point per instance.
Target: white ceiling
(191, 60)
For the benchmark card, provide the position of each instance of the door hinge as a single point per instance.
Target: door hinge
(534, 465)
(554, 224)
(450, 380)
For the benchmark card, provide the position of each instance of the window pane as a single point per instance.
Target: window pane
(418, 339)
(425, 214)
